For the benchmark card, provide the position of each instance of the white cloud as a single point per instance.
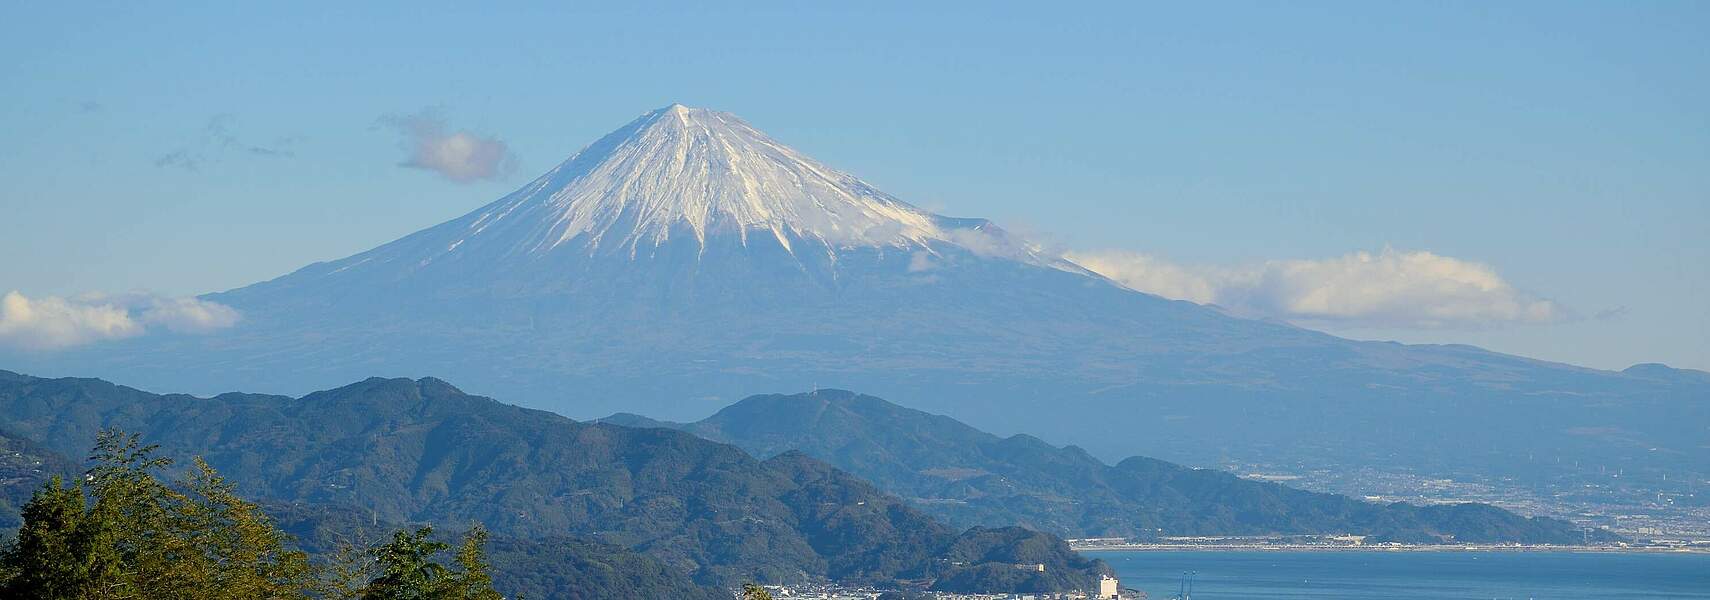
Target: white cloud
(1417, 289)
(49, 323)
(182, 315)
(920, 262)
(52, 322)
(1151, 275)
(460, 156)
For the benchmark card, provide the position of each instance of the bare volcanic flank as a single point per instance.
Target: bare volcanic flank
(681, 203)
(687, 259)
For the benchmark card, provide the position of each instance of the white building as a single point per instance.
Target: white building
(1107, 587)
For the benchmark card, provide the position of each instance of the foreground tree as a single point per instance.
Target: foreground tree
(407, 570)
(59, 552)
(142, 538)
(130, 535)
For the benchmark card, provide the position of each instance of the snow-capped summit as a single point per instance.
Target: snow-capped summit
(687, 259)
(691, 172)
(679, 206)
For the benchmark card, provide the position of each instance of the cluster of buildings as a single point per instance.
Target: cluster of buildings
(1665, 510)
(1108, 588)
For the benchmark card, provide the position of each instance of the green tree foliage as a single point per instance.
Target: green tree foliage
(402, 450)
(407, 570)
(60, 552)
(654, 513)
(473, 581)
(754, 592)
(124, 533)
(142, 538)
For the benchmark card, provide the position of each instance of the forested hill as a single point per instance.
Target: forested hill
(970, 477)
(24, 467)
(413, 451)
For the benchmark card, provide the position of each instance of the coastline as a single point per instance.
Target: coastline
(1465, 548)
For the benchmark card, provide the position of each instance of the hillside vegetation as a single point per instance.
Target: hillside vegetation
(421, 451)
(970, 477)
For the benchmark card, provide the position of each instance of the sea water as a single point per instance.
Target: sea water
(1221, 575)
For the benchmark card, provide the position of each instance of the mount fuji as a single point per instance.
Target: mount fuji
(687, 260)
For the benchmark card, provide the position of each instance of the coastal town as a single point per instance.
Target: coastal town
(1360, 543)
(1652, 511)
(1108, 588)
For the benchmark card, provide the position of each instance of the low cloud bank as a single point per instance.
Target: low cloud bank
(1419, 290)
(53, 323)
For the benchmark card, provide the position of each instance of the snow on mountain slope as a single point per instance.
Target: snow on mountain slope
(693, 167)
(672, 186)
(680, 171)
(687, 259)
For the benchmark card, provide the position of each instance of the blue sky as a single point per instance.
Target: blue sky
(1562, 147)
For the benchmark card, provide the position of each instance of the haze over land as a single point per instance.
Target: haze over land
(687, 259)
(969, 477)
(925, 298)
